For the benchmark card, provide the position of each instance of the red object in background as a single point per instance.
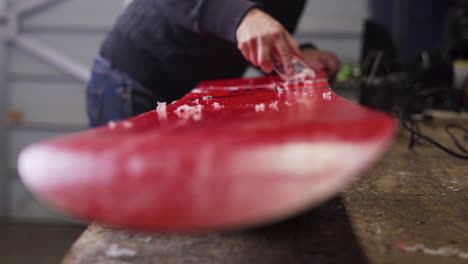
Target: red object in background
(230, 154)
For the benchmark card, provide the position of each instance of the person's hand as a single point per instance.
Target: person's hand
(321, 60)
(259, 35)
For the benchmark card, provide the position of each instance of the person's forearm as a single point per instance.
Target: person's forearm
(214, 17)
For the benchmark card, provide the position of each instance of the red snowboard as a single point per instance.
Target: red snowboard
(230, 154)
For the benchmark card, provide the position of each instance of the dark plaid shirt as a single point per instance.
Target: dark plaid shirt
(171, 45)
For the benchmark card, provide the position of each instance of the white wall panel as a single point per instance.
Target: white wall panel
(51, 103)
(335, 25)
(24, 64)
(85, 13)
(334, 16)
(79, 47)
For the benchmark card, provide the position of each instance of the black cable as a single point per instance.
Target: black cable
(454, 139)
(415, 93)
(414, 128)
(415, 134)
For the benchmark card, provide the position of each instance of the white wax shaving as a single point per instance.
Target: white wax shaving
(274, 106)
(146, 239)
(443, 251)
(305, 74)
(187, 112)
(115, 252)
(112, 125)
(327, 95)
(217, 106)
(301, 77)
(127, 124)
(260, 107)
(161, 110)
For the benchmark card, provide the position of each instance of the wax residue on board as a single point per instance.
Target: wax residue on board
(327, 95)
(304, 75)
(274, 106)
(114, 251)
(161, 110)
(145, 239)
(112, 125)
(445, 251)
(217, 106)
(187, 112)
(127, 124)
(260, 107)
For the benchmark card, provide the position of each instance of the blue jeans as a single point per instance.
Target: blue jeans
(112, 95)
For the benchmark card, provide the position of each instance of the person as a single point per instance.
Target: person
(424, 24)
(158, 50)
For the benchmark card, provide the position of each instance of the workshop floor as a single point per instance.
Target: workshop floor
(38, 244)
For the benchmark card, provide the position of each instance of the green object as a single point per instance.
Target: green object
(345, 73)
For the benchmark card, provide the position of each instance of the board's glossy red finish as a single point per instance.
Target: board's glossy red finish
(230, 154)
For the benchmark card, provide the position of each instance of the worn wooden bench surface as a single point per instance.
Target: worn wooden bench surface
(409, 208)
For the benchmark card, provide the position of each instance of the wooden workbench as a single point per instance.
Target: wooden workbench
(409, 208)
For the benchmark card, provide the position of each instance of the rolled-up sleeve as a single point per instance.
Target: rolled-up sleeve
(215, 17)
